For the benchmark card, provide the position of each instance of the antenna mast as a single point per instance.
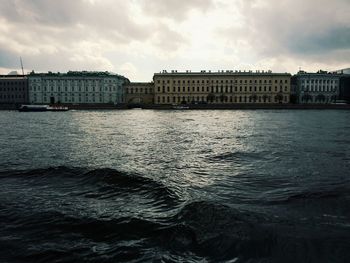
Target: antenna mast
(21, 66)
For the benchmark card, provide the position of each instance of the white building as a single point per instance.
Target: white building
(75, 87)
(320, 87)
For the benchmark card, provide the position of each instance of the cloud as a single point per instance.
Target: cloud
(299, 27)
(177, 10)
(314, 31)
(139, 37)
(59, 34)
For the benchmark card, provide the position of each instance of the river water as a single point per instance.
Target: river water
(175, 186)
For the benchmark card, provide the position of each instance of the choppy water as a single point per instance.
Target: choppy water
(175, 186)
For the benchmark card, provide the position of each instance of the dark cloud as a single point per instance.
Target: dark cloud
(103, 18)
(62, 12)
(66, 33)
(313, 30)
(332, 39)
(69, 34)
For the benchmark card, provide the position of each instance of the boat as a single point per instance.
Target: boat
(180, 107)
(40, 108)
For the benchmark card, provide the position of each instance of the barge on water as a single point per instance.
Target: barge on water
(40, 108)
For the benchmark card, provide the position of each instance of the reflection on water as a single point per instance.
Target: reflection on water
(169, 186)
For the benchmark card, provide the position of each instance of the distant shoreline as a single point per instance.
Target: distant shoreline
(202, 107)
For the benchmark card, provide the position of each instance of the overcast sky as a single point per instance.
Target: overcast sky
(136, 38)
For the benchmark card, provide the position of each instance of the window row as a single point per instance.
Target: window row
(320, 98)
(12, 83)
(11, 96)
(222, 99)
(222, 81)
(73, 95)
(72, 100)
(320, 81)
(12, 89)
(138, 90)
(73, 89)
(319, 89)
(221, 89)
(73, 81)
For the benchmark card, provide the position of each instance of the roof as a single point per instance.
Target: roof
(79, 74)
(220, 73)
(319, 74)
(11, 77)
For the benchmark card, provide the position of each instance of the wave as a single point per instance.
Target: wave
(236, 156)
(193, 232)
(106, 182)
(340, 193)
(199, 231)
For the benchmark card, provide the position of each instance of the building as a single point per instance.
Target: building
(321, 87)
(221, 87)
(343, 71)
(139, 93)
(13, 90)
(75, 87)
(344, 91)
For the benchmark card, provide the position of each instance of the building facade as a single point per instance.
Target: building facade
(344, 90)
(75, 87)
(13, 89)
(221, 87)
(139, 93)
(321, 87)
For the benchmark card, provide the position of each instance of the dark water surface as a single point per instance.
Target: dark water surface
(175, 186)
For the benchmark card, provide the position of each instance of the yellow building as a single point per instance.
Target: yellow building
(139, 93)
(221, 87)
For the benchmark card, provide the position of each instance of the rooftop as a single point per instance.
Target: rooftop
(320, 72)
(78, 74)
(13, 76)
(220, 73)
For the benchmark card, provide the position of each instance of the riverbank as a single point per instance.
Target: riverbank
(199, 106)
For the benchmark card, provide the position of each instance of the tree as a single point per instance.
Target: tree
(306, 98)
(320, 98)
(293, 99)
(210, 97)
(279, 97)
(223, 97)
(265, 98)
(334, 98)
(253, 98)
